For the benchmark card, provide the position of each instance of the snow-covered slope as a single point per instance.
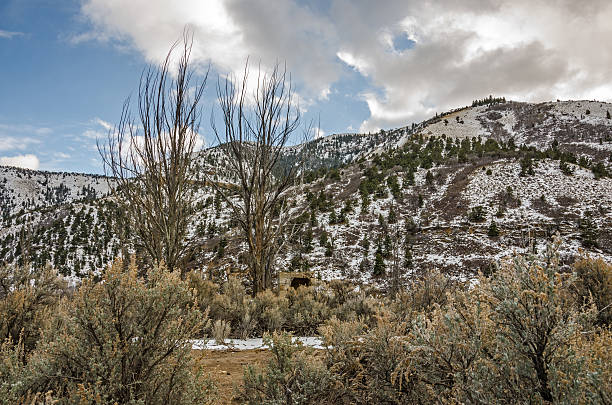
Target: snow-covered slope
(22, 189)
(410, 199)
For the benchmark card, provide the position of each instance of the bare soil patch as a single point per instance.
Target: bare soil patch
(226, 369)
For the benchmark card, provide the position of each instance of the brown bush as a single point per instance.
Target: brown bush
(124, 340)
(28, 298)
(594, 282)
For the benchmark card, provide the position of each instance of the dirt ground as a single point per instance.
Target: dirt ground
(226, 369)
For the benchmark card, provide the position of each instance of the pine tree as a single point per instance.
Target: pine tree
(408, 257)
(588, 231)
(493, 231)
(221, 248)
(565, 168)
(333, 219)
(329, 249)
(379, 263)
(323, 239)
(387, 246)
(392, 217)
(429, 179)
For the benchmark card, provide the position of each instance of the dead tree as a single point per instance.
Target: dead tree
(256, 129)
(150, 159)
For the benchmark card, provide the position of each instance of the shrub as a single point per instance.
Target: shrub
(28, 298)
(293, 376)
(205, 290)
(596, 378)
(235, 306)
(516, 337)
(594, 282)
(422, 294)
(477, 214)
(124, 340)
(220, 331)
(306, 311)
(363, 363)
(444, 354)
(535, 321)
(270, 311)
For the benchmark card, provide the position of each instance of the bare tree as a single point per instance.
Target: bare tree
(254, 134)
(151, 162)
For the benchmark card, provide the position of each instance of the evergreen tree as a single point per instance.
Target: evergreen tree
(599, 170)
(221, 248)
(526, 167)
(387, 246)
(588, 231)
(429, 179)
(313, 218)
(408, 257)
(565, 168)
(493, 231)
(333, 219)
(392, 217)
(323, 238)
(379, 263)
(329, 249)
(307, 245)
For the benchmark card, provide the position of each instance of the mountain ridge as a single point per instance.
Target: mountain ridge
(446, 181)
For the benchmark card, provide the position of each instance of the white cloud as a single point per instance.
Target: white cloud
(93, 134)
(8, 143)
(28, 161)
(104, 124)
(9, 34)
(317, 132)
(226, 33)
(522, 49)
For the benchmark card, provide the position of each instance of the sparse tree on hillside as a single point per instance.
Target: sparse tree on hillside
(151, 161)
(254, 133)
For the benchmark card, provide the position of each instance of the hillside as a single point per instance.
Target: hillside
(458, 192)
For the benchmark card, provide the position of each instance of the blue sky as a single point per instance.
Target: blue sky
(66, 66)
(58, 95)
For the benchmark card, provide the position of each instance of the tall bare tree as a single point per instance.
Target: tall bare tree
(256, 128)
(151, 161)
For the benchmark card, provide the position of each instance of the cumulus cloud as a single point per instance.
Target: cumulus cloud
(525, 50)
(28, 161)
(226, 33)
(452, 51)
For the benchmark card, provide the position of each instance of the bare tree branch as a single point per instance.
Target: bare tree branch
(152, 163)
(254, 134)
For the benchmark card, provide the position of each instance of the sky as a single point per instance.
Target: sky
(67, 66)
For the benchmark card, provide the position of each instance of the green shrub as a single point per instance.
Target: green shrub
(28, 298)
(293, 376)
(270, 311)
(306, 311)
(124, 340)
(477, 214)
(594, 282)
